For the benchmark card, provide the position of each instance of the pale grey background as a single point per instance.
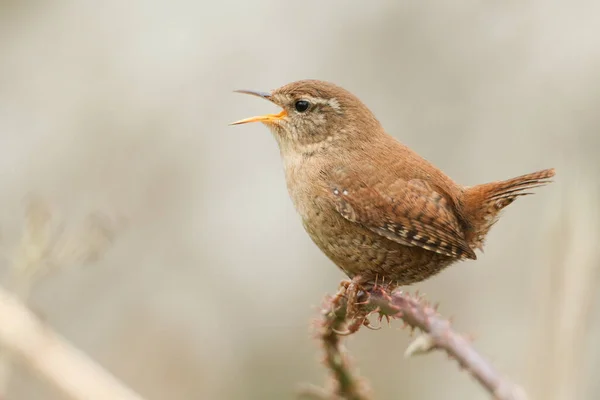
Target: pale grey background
(209, 292)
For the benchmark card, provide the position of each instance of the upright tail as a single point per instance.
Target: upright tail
(483, 203)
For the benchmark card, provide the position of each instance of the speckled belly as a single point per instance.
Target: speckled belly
(358, 251)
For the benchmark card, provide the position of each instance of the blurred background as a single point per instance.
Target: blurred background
(114, 115)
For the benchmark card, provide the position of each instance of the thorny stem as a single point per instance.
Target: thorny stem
(346, 385)
(416, 313)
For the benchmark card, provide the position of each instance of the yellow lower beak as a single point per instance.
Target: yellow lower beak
(263, 118)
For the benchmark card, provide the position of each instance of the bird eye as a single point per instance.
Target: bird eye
(301, 105)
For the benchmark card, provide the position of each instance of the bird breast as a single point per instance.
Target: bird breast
(302, 177)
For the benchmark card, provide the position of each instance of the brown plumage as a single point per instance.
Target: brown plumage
(377, 209)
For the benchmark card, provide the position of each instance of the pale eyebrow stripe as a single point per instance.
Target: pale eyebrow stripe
(332, 102)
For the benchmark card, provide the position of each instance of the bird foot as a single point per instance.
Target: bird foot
(367, 324)
(352, 291)
(355, 325)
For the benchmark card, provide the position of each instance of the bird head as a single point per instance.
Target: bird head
(314, 113)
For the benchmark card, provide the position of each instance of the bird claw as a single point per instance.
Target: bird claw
(347, 332)
(353, 327)
(336, 301)
(367, 323)
(356, 317)
(352, 289)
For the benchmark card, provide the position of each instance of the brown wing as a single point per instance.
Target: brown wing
(410, 213)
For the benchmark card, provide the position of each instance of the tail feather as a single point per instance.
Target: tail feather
(516, 191)
(483, 203)
(513, 187)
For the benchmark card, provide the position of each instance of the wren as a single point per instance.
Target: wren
(376, 208)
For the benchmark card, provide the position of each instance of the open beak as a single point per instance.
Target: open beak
(269, 118)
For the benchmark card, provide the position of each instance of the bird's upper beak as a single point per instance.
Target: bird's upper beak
(262, 118)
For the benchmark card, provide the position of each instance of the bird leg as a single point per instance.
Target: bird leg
(337, 301)
(352, 290)
(356, 317)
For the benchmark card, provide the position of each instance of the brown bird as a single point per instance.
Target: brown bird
(376, 208)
